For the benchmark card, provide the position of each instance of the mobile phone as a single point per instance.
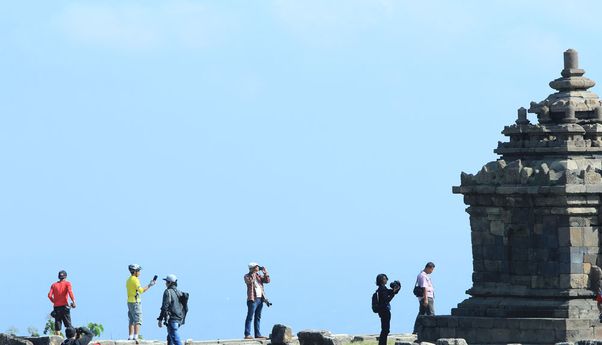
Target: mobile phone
(155, 277)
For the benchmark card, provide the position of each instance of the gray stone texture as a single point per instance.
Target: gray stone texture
(49, 340)
(451, 341)
(535, 220)
(320, 337)
(281, 335)
(7, 339)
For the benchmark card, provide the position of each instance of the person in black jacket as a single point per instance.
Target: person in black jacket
(77, 336)
(172, 311)
(385, 295)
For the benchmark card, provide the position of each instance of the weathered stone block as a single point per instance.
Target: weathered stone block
(497, 228)
(451, 341)
(49, 340)
(7, 339)
(317, 337)
(281, 334)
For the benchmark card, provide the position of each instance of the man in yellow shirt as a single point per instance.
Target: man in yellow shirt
(134, 290)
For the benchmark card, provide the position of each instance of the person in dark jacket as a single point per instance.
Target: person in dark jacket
(172, 311)
(77, 336)
(385, 295)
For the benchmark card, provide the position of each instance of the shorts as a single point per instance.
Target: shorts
(135, 313)
(62, 315)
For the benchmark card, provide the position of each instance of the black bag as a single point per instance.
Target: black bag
(183, 299)
(375, 302)
(418, 291)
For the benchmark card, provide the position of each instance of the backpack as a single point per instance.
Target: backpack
(183, 299)
(375, 302)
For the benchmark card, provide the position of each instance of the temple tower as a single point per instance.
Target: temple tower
(534, 218)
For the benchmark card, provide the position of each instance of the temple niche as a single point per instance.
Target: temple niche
(534, 219)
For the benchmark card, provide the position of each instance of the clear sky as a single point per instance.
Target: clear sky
(320, 138)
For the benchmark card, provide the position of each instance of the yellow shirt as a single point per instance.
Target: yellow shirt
(134, 289)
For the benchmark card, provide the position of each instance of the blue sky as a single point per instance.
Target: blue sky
(320, 138)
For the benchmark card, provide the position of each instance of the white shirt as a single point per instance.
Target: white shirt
(424, 281)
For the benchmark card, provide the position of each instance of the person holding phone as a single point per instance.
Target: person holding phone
(134, 290)
(254, 280)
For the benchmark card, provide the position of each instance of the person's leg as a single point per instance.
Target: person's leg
(57, 320)
(172, 333)
(67, 318)
(421, 311)
(257, 322)
(137, 320)
(250, 312)
(430, 310)
(130, 322)
(385, 326)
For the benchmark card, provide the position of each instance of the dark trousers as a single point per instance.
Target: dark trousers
(385, 326)
(428, 310)
(62, 314)
(253, 309)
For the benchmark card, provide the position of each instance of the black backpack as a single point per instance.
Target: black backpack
(375, 302)
(183, 299)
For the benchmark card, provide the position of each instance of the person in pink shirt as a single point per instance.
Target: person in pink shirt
(58, 294)
(426, 302)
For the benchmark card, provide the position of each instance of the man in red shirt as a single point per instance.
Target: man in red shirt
(58, 296)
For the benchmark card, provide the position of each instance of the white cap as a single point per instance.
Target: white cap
(253, 265)
(171, 278)
(134, 267)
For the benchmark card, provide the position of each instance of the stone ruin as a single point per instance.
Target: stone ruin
(534, 219)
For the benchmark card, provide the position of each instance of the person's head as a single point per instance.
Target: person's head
(382, 279)
(171, 280)
(253, 267)
(62, 274)
(429, 268)
(70, 332)
(134, 269)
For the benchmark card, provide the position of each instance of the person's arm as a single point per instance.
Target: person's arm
(85, 336)
(266, 276)
(420, 282)
(51, 294)
(248, 279)
(164, 306)
(388, 295)
(70, 292)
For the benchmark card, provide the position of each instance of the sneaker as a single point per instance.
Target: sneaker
(248, 337)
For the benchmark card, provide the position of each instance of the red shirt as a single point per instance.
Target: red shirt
(58, 293)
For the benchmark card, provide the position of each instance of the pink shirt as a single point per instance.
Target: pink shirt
(424, 281)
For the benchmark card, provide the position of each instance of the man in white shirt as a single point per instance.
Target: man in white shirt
(427, 301)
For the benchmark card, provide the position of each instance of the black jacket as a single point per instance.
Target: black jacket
(85, 337)
(171, 308)
(385, 295)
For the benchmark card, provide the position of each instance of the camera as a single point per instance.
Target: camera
(266, 301)
(261, 268)
(395, 285)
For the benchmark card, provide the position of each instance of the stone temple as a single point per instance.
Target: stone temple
(534, 219)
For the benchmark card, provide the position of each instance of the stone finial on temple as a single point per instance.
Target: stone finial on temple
(571, 64)
(573, 102)
(572, 76)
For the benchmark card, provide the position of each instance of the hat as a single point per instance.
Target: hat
(171, 278)
(70, 332)
(62, 274)
(253, 265)
(134, 267)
